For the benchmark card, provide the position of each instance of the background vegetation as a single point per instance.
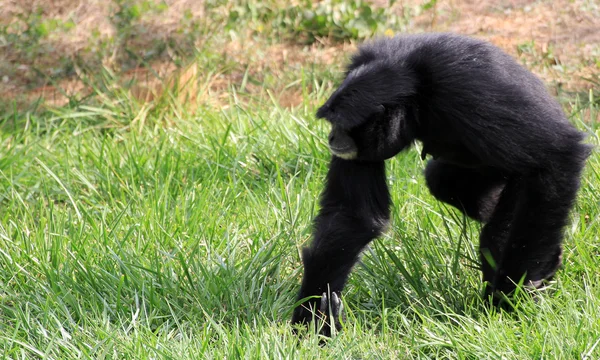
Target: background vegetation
(160, 165)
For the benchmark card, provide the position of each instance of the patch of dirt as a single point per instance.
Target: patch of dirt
(33, 66)
(19, 65)
(559, 40)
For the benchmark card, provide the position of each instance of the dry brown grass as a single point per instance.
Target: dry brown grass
(559, 40)
(564, 35)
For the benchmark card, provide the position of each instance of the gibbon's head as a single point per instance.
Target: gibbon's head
(368, 112)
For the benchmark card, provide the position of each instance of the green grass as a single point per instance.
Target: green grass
(179, 237)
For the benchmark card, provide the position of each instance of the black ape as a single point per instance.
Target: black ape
(503, 152)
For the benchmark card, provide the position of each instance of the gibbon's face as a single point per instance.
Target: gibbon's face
(367, 114)
(375, 137)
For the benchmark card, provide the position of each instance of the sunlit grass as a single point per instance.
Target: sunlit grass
(178, 237)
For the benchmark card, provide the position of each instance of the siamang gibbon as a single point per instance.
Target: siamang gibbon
(502, 151)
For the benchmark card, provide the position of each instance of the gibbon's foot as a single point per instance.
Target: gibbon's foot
(329, 313)
(500, 288)
(502, 299)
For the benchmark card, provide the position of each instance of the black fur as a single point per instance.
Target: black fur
(503, 152)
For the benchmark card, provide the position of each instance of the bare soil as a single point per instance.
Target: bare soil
(558, 40)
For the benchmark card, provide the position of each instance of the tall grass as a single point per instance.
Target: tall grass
(179, 237)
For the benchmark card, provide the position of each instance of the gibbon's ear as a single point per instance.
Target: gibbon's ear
(368, 91)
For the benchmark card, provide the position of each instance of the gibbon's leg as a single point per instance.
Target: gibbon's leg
(354, 210)
(523, 238)
(474, 191)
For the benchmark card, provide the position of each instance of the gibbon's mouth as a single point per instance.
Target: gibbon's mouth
(346, 153)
